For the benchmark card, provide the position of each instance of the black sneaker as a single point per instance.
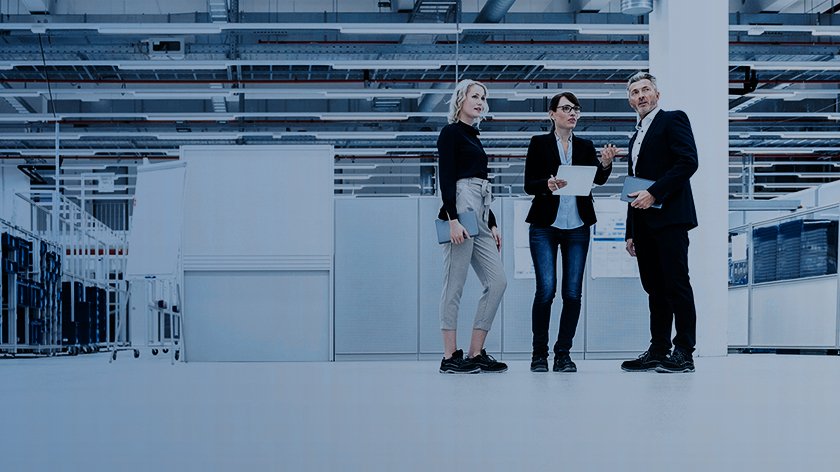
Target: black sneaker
(679, 361)
(458, 365)
(539, 364)
(563, 363)
(646, 362)
(487, 363)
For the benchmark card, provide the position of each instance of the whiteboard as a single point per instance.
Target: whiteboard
(154, 238)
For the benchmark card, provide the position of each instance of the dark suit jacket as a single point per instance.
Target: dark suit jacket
(542, 162)
(669, 157)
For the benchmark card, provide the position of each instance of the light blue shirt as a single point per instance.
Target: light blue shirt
(567, 214)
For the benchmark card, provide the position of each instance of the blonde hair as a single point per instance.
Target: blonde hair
(458, 97)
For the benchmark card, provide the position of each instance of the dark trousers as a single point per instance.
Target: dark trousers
(662, 255)
(573, 244)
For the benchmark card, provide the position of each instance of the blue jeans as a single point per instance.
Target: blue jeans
(573, 244)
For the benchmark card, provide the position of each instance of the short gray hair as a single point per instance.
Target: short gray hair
(641, 76)
(458, 97)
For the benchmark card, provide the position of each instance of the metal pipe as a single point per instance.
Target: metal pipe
(636, 7)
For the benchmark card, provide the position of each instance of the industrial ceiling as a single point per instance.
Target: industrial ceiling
(104, 84)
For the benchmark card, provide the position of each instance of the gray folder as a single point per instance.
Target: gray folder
(468, 219)
(634, 184)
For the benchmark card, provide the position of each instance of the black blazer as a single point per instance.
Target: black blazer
(542, 162)
(668, 156)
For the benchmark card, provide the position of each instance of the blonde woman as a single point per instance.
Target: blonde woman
(464, 185)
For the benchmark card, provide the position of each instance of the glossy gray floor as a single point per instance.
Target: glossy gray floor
(742, 412)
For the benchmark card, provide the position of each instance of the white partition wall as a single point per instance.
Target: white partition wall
(376, 255)
(388, 281)
(795, 314)
(739, 317)
(258, 251)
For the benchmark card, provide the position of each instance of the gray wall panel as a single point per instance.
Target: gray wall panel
(617, 315)
(376, 276)
(431, 284)
(520, 297)
(257, 315)
(794, 313)
(404, 256)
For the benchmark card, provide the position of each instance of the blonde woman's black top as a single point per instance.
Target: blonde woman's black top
(460, 156)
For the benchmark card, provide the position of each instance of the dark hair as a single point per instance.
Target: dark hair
(555, 100)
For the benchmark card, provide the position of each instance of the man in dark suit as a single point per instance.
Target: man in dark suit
(662, 150)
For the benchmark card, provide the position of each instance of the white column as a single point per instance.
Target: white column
(689, 57)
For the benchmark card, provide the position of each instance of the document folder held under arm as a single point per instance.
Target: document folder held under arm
(468, 219)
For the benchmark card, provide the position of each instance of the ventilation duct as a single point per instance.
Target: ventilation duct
(636, 7)
(494, 11)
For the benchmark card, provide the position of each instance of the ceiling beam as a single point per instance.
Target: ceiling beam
(37, 6)
(779, 6)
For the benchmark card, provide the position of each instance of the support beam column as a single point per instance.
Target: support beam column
(689, 56)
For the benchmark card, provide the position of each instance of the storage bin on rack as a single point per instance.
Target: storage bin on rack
(765, 252)
(819, 248)
(790, 250)
(75, 330)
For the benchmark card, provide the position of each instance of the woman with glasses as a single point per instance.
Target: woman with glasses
(559, 221)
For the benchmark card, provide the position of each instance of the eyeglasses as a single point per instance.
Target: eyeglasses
(568, 109)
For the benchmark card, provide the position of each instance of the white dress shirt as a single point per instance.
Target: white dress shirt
(641, 128)
(568, 216)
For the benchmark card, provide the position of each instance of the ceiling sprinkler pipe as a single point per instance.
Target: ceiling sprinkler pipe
(636, 7)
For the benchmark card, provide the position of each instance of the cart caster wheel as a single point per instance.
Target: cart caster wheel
(114, 355)
(154, 352)
(165, 350)
(177, 355)
(136, 353)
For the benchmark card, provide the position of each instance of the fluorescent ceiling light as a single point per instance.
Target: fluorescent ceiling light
(25, 117)
(385, 64)
(519, 116)
(352, 135)
(173, 94)
(775, 150)
(157, 28)
(789, 65)
(594, 65)
(173, 65)
(22, 93)
(811, 135)
(614, 29)
(743, 116)
(191, 117)
(363, 116)
(399, 28)
(372, 93)
(825, 32)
